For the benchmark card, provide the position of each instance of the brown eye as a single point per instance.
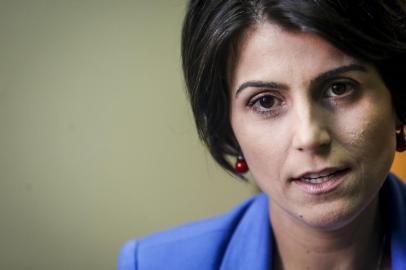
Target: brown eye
(338, 89)
(341, 89)
(267, 105)
(266, 102)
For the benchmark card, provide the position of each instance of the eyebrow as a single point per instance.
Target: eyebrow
(321, 77)
(343, 69)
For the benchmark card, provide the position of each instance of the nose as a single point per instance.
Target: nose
(311, 133)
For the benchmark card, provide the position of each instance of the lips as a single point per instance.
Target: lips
(317, 176)
(321, 182)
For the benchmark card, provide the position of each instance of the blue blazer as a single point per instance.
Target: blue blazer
(242, 238)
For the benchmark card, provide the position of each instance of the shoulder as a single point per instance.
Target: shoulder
(198, 245)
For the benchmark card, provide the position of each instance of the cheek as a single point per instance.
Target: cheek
(367, 133)
(258, 145)
(265, 149)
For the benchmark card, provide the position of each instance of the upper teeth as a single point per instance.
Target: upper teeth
(316, 180)
(315, 176)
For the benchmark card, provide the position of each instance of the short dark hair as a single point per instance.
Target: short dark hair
(370, 30)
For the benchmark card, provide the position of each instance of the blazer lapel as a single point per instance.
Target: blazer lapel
(250, 246)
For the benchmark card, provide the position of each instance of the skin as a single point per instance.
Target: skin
(310, 119)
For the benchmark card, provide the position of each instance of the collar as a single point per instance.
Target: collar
(250, 245)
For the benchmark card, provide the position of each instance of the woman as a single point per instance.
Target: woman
(308, 95)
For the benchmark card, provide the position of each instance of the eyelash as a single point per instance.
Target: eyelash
(350, 87)
(266, 112)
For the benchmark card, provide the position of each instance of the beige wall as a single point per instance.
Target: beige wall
(97, 141)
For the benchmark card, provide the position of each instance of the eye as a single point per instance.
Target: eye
(266, 103)
(340, 89)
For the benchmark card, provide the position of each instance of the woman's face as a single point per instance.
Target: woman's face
(316, 126)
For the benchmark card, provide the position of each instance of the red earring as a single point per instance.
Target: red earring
(400, 141)
(241, 165)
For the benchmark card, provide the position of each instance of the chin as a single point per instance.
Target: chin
(336, 215)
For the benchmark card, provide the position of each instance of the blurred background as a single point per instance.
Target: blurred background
(98, 143)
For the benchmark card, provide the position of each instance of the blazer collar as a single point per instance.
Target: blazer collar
(250, 246)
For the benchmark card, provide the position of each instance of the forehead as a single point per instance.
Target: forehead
(267, 50)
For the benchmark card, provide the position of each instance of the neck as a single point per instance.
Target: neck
(347, 247)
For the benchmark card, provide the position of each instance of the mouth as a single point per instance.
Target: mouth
(321, 182)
